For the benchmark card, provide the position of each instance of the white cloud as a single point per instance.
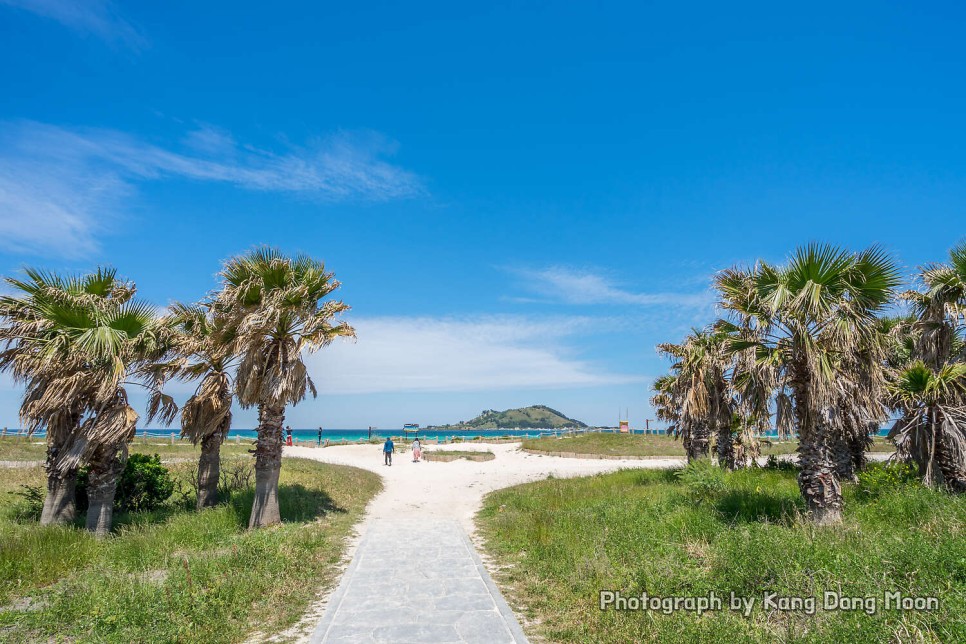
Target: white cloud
(446, 355)
(96, 17)
(578, 286)
(57, 185)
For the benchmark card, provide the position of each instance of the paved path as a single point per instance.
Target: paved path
(414, 575)
(417, 581)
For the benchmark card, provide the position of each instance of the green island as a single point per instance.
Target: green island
(533, 417)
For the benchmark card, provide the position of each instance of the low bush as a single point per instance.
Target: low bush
(145, 484)
(703, 480)
(878, 478)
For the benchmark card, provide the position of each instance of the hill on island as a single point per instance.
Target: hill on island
(533, 417)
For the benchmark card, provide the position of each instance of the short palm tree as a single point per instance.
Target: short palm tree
(701, 388)
(60, 383)
(932, 429)
(74, 341)
(273, 306)
(928, 365)
(815, 314)
(204, 352)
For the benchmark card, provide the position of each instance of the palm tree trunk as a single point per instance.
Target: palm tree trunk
(60, 505)
(817, 480)
(268, 464)
(841, 452)
(700, 444)
(951, 453)
(107, 463)
(209, 470)
(725, 447)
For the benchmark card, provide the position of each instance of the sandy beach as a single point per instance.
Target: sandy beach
(455, 490)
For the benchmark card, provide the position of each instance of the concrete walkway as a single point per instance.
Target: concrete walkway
(417, 581)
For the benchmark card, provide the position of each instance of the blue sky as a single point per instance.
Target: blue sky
(521, 199)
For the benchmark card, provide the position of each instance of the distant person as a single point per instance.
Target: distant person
(288, 436)
(320, 435)
(387, 449)
(417, 450)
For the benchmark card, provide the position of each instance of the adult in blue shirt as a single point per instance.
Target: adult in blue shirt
(387, 449)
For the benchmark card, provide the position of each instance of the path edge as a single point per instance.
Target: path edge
(334, 601)
(505, 611)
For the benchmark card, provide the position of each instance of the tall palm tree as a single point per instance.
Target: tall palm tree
(204, 351)
(273, 306)
(816, 314)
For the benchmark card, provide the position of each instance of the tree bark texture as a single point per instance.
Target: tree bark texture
(268, 464)
(725, 448)
(700, 444)
(209, 470)
(817, 480)
(106, 464)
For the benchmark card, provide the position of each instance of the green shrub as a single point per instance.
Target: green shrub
(145, 484)
(703, 480)
(879, 478)
(780, 464)
(31, 503)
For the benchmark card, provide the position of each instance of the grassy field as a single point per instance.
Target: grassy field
(647, 446)
(18, 448)
(176, 574)
(559, 542)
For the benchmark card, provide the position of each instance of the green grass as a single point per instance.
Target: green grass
(558, 542)
(20, 448)
(455, 454)
(647, 446)
(176, 574)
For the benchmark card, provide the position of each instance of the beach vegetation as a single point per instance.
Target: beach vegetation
(557, 543)
(172, 573)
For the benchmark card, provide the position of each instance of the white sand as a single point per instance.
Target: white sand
(455, 490)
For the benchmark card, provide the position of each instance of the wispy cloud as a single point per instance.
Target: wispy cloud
(569, 285)
(96, 17)
(446, 355)
(58, 184)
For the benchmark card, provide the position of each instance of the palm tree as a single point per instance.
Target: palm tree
(58, 379)
(73, 341)
(814, 316)
(204, 351)
(701, 388)
(928, 384)
(272, 304)
(932, 429)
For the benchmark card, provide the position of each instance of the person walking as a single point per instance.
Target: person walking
(417, 450)
(320, 436)
(387, 449)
